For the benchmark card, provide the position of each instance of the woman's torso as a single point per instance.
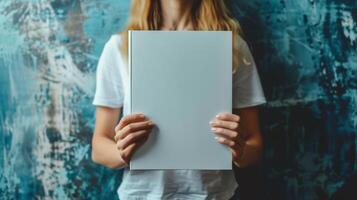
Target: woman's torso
(171, 184)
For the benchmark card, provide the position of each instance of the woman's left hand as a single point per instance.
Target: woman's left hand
(225, 126)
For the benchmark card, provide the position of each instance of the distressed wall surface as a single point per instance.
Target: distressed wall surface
(305, 51)
(307, 57)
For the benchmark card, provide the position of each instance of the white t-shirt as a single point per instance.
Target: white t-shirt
(111, 87)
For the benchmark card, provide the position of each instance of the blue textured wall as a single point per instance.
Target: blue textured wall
(305, 51)
(307, 57)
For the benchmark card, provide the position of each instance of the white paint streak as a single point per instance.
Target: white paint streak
(349, 26)
(59, 82)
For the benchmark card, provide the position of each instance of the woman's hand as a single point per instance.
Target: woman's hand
(225, 126)
(131, 132)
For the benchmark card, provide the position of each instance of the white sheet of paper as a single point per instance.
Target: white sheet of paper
(181, 80)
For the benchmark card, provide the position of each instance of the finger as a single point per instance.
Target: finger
(225, 141)
(224, 124)
(146, 125)
(228, 117)
(235, 154)
(120, 134)
(233, 135)
(131, 138)
(132, 127)
(128, 152)
(123, 156)
(134, 117)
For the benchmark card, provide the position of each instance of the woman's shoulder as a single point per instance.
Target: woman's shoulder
(112, 45)
(114, 40)
(245, 57)
(242, 44)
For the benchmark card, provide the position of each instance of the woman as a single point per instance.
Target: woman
(114, 143)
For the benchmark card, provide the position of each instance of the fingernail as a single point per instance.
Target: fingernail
(217, 138)
(142, 115)
(150, 123)
(213, 129)
(211, 122)
(218, 115)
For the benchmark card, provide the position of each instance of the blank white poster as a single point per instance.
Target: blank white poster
(181, 80)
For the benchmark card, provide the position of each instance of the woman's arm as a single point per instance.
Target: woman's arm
(249, 129)
(104, 149)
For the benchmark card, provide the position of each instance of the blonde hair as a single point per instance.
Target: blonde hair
(208, 15)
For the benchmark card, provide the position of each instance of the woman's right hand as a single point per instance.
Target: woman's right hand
(131, 132)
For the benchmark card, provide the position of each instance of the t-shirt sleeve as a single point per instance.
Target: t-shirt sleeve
(247, 88)
(109, 90)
